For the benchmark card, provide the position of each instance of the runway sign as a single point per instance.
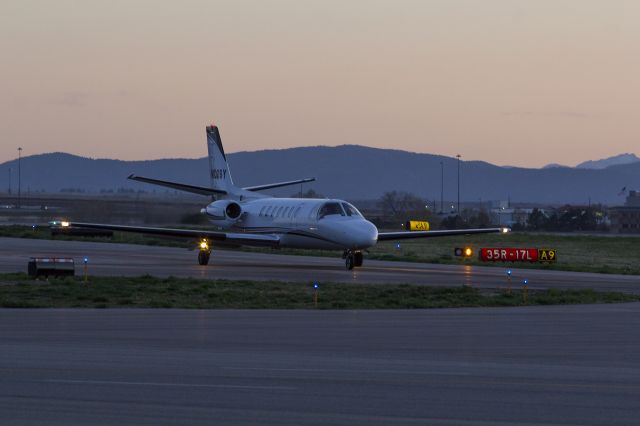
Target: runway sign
(547, 255)
(417, 225)
(510, 254)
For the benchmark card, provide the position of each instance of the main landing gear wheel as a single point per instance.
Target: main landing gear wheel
(204, 253)
(358, 258)
(203, 257)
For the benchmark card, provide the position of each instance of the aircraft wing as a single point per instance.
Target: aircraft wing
(256, 240)
(278, 184)
(179, 186)
(385, 236)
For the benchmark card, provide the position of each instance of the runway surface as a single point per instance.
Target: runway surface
(125, 259)
(512, 366)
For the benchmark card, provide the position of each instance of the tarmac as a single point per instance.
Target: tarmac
(553, 365)
(135, 260)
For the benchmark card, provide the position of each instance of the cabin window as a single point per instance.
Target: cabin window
(285, 212)
(279, 212)
(350, 210)
(262, 210)
(297, 211)
(329, 209)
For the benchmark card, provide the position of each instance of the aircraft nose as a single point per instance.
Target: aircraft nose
(366, 235)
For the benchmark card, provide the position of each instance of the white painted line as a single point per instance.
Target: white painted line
(185, 385)
(338, 371)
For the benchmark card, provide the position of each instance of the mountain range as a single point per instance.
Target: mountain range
(348, 171)
(616, 160)
(611, 161)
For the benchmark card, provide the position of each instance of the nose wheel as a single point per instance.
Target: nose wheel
(353, 259)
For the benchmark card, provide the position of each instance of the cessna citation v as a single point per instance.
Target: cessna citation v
(244, 217)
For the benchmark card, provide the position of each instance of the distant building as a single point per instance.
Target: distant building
(503, 214)
(626, 219)
(633, 199)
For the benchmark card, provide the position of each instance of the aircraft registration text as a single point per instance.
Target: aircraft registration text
(218, 173)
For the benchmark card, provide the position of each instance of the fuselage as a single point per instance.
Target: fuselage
(328, 224)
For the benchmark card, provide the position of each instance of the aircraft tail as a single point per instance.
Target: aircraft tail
(222, 186)
(218, 168)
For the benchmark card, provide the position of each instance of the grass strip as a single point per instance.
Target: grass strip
(18, 291)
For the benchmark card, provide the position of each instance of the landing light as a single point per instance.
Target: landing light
(505, 230)
(204, 245)
(64, 224)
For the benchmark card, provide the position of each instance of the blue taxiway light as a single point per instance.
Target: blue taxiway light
(525, 281)
(509, 272)
(316, 285)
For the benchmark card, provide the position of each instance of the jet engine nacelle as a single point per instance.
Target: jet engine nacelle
(226, 212)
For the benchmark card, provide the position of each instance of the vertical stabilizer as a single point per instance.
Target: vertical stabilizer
(218, 167)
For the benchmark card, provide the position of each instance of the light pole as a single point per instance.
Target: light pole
(19, 173)
(458, 157)
(441, 186)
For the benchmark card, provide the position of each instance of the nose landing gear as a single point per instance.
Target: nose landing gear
(352, 259)
(204, 253)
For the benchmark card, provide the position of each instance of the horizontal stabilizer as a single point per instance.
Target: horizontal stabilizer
(402, 235)
(278, 184)
(179, 186)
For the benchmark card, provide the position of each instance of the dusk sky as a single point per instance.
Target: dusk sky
(510, 82)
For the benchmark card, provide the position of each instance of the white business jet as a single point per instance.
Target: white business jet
(244, 217)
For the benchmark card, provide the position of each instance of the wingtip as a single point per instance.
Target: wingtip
(131, 176)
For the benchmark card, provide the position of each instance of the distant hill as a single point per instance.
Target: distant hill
(611, 161)
(553, 166)
(348, 171)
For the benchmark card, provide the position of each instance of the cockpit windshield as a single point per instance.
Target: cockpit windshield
(350, 210)
(328, 209)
